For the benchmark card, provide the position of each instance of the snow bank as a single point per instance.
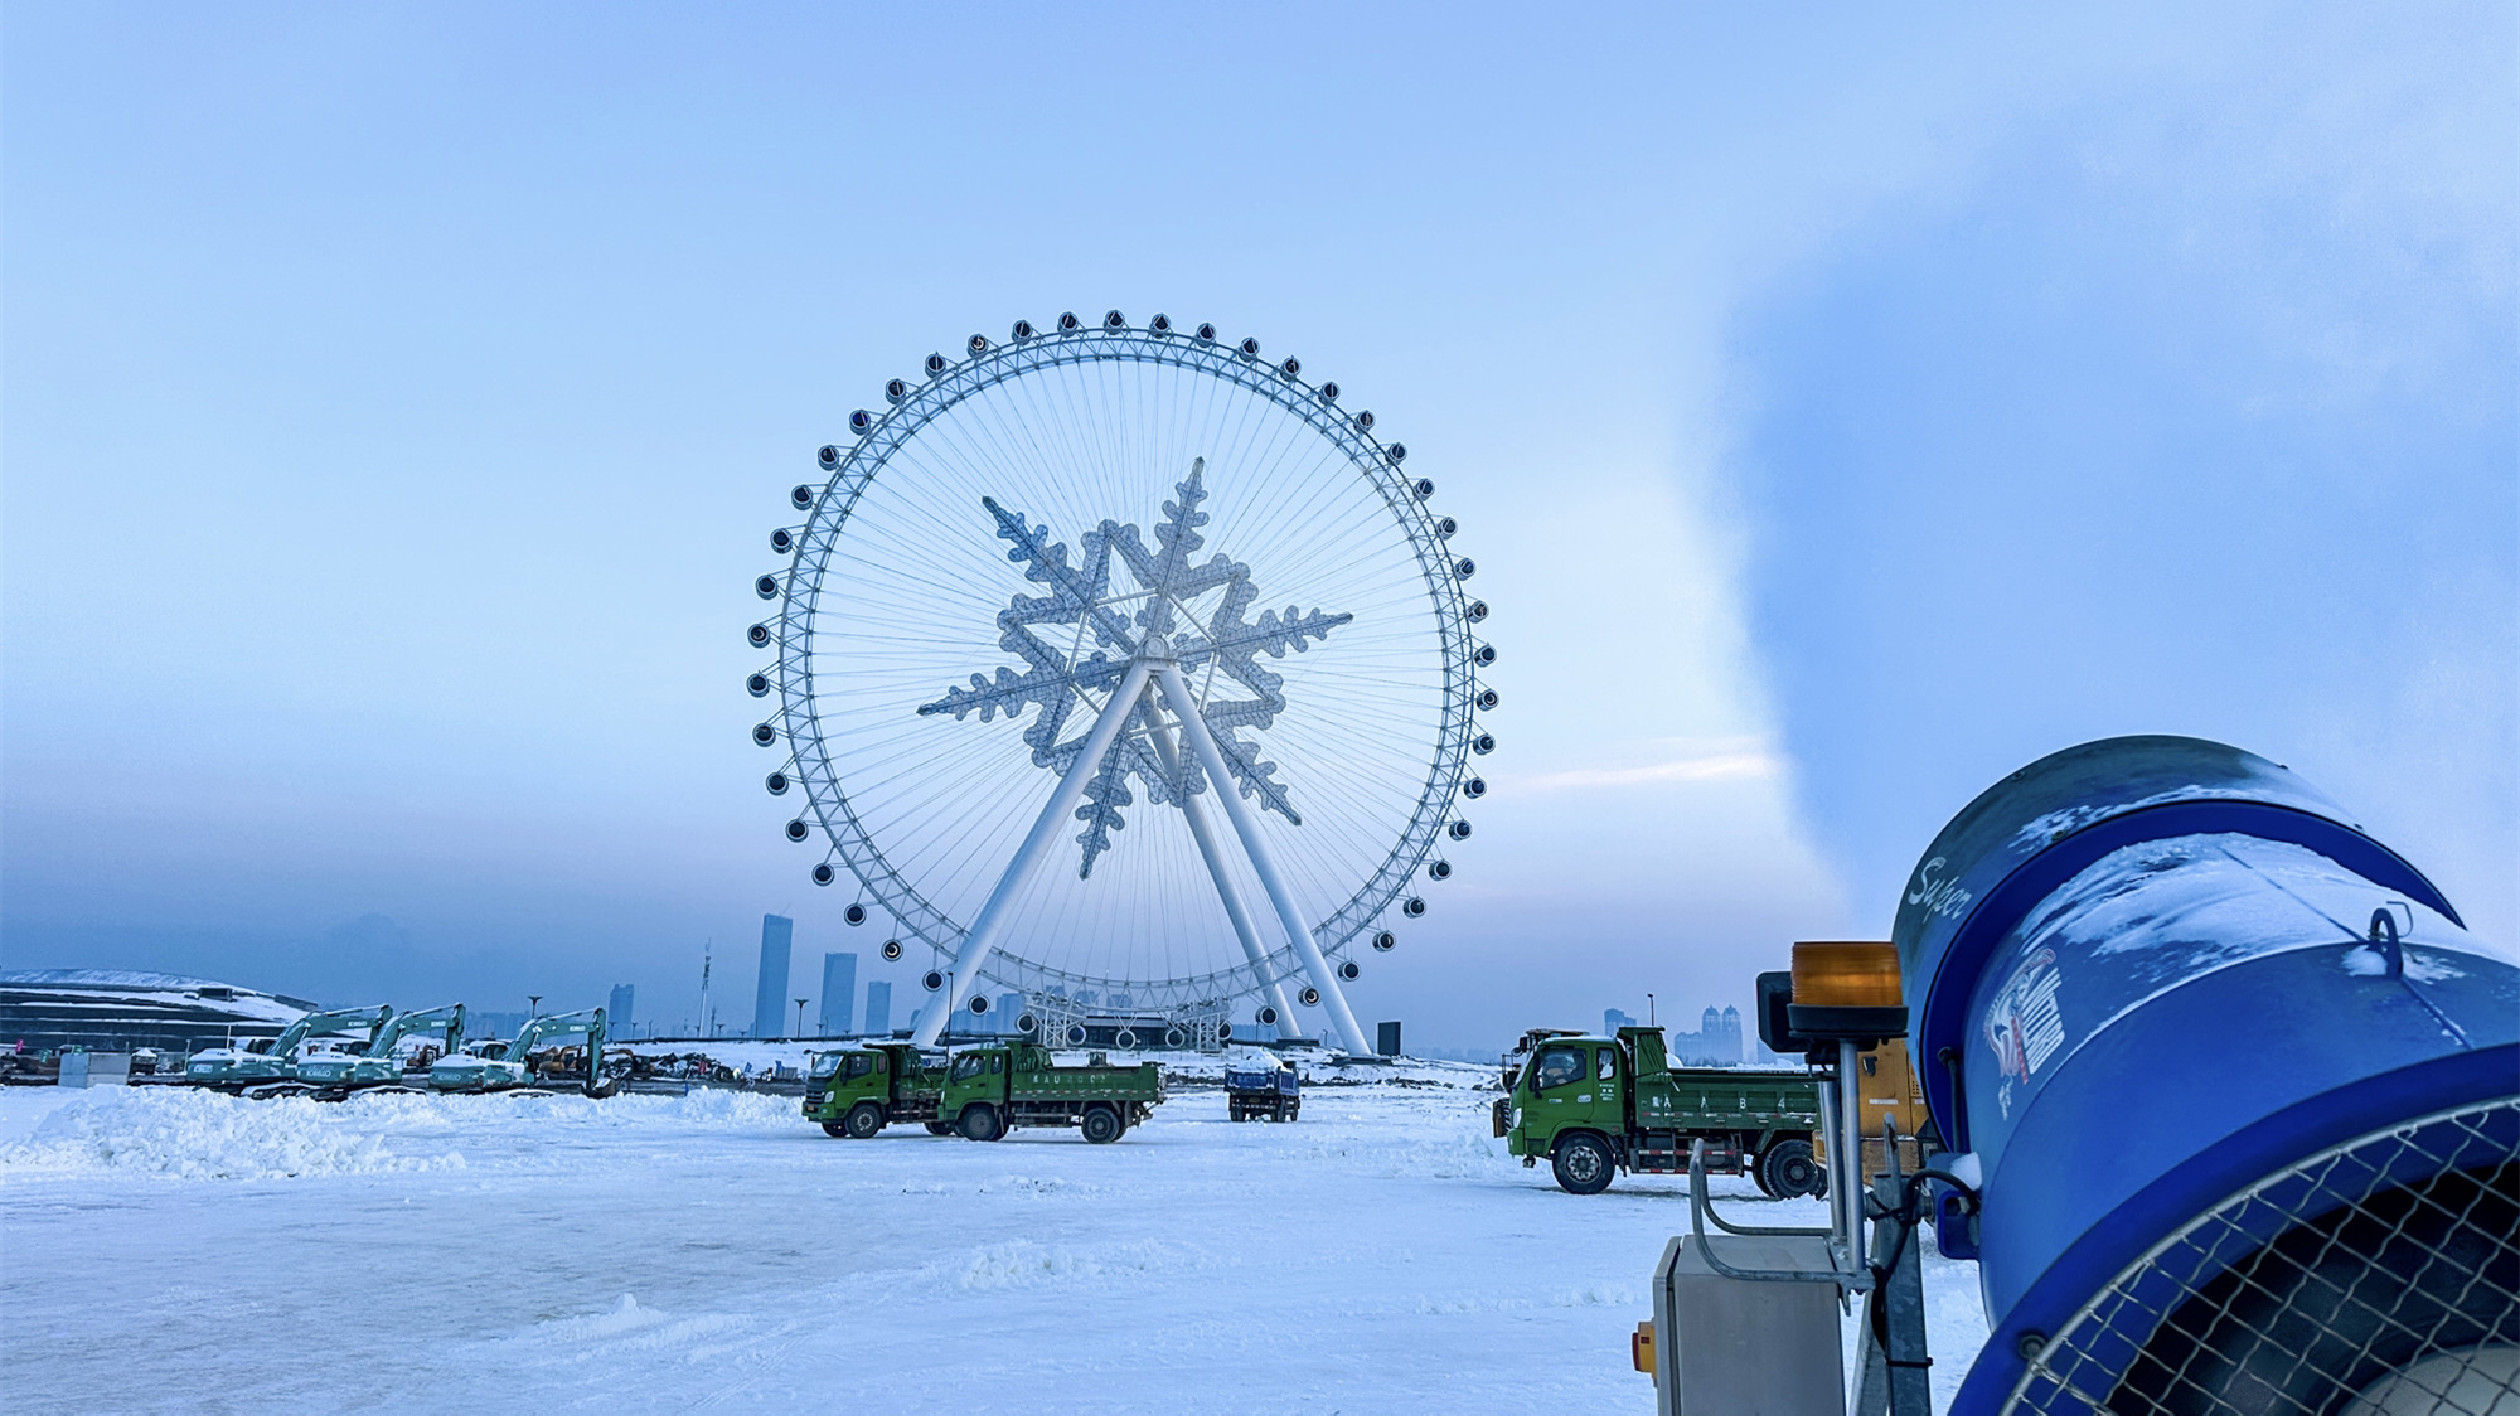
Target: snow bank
(196, 1135)
(193, 1135)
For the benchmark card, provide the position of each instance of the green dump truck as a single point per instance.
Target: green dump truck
(858, 1092)
(1595, 1106)
(991, 1090)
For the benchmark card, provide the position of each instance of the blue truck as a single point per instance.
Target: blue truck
(1269, 1094)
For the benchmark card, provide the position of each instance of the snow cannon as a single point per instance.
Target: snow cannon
(2238, 1093)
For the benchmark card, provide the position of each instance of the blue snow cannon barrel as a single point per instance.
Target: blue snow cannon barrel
(2242, 1091)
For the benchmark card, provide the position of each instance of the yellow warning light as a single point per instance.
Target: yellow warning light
(1845, 974)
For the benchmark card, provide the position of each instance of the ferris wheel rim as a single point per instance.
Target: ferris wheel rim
(852, 467)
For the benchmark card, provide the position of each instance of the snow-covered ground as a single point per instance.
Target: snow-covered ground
(167, 1250)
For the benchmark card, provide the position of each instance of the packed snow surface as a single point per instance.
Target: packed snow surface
(164, 1250)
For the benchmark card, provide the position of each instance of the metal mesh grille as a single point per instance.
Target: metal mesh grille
(2378, 1278)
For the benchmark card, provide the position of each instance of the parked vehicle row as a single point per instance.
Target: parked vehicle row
(978, 1093)
(331, 1054)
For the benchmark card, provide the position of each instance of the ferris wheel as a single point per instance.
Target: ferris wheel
(1120, 662)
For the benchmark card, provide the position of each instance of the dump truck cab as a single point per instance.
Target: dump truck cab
(991, 1090)
(1593, 1106)
(857, 1092)
(1274, 1092)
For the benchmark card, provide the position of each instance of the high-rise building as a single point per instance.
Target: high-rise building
(617, 1012)
(1612, 1020)
(878, 1009)
(1732, 1036)
(839, 995)
(770, 993)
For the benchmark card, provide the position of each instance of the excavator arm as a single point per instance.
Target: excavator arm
(588, 1023)
(373, 1018)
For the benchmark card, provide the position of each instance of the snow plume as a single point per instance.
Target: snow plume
(190, 1135)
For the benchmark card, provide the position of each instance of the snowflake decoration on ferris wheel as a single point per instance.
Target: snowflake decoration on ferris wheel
(1170, 588)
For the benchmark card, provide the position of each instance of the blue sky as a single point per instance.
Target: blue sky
(1844, 409)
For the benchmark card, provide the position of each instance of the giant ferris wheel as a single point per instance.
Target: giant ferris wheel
(1120, 661)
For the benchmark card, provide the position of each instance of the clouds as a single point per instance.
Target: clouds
(2190, 412)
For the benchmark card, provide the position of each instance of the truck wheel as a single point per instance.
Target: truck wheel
(1101, 1125)
(1583, 1164)
(980, 1122)
(1789, 1171)
(938, 1128)
(864, 1120)
(832, 1129)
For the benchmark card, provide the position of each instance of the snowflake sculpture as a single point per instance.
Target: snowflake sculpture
(1221, 643)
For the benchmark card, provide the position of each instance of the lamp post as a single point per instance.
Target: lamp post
(533, 1003)
(800, 1019)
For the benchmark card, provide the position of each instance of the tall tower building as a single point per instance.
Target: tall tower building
(617, 1012)
(878, 1009)
(1730, 1049)
(839, 994)
(770, 994)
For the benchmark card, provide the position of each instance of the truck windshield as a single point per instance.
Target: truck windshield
(822, 1064)
(1557, 1067)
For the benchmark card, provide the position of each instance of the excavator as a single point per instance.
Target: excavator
(255, 1070)
(334, 1075)
(508, 1068)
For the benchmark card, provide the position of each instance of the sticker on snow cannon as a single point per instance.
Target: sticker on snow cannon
(2022, 1024)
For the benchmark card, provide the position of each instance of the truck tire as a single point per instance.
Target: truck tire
(1790, 1172)
(1101, 1125)
(1583, 1164)
(864, 1120)
(833, 1130)
(980, 1122)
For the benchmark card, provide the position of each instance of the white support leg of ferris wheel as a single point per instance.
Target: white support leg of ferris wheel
(1200, 831)
(1186, 709)
(982, 936)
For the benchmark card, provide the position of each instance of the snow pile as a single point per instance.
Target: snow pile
(704, 1109)
(1022, 1263)
(192, 1135)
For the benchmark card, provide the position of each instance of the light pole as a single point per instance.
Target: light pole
(800, 1019)
(533, 1002)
